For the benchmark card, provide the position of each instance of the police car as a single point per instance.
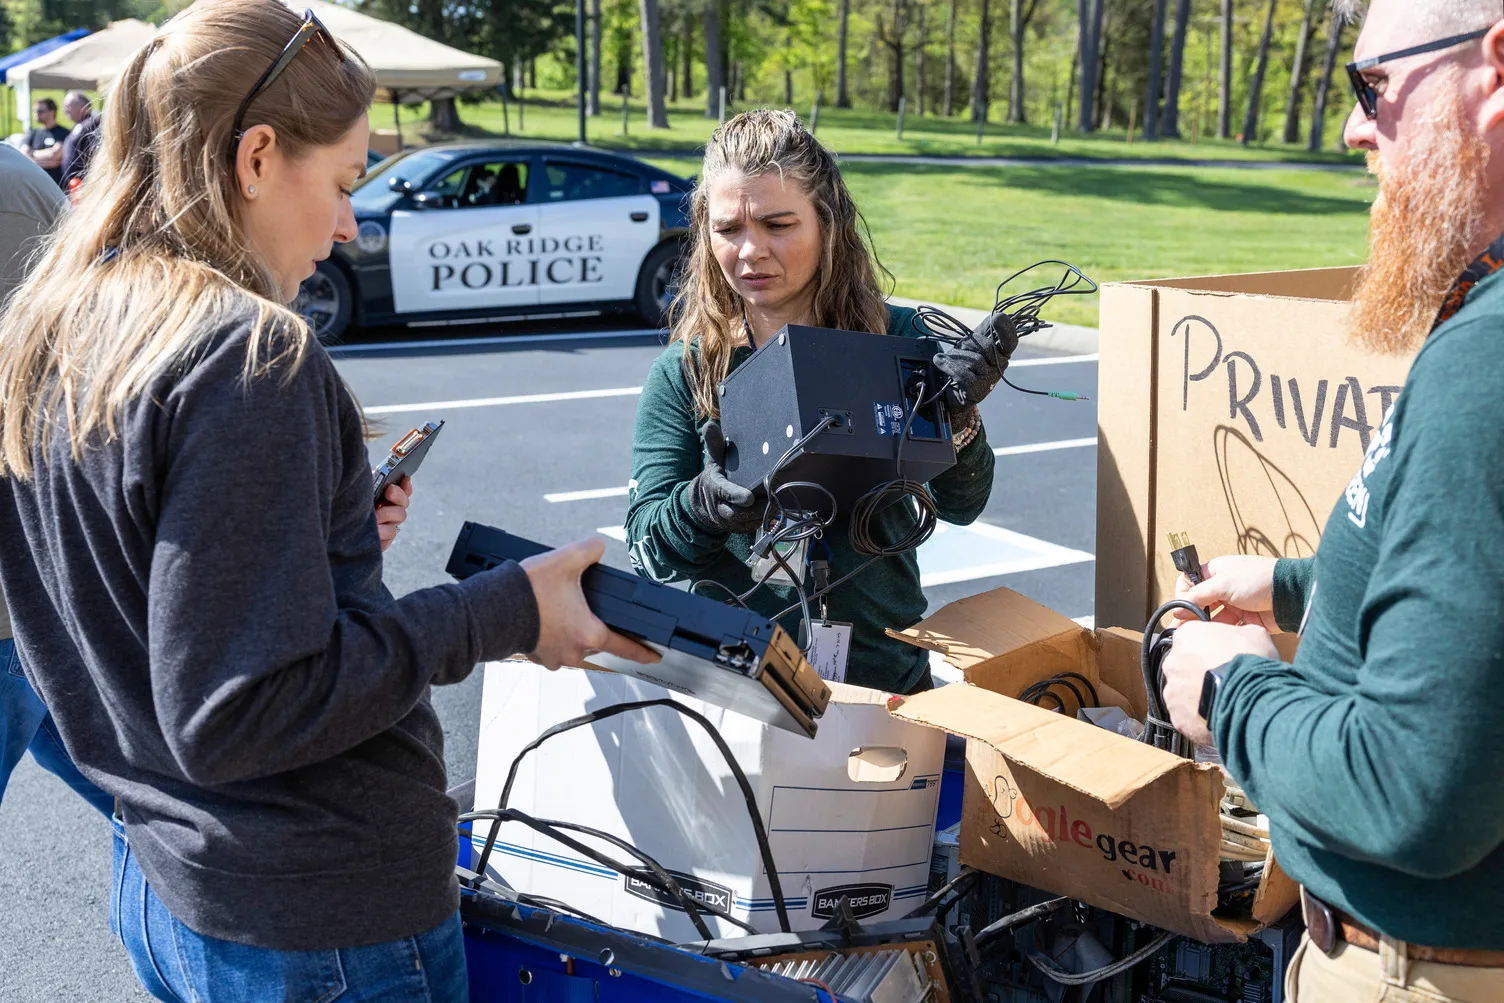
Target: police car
(473, 231)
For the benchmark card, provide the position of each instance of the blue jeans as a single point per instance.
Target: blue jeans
(180, 966)
(25, 724)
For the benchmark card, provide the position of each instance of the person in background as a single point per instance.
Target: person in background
(1377, 755)
(191, 556)
(82, 141)
(44, 143)
(776, 240)
(30, 205)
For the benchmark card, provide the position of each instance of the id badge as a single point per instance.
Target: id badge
(830, 648)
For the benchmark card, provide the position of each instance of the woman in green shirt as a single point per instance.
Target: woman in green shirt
(776, 239)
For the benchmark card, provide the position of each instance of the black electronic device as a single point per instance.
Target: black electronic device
(724, 655)
(406, 457)
(864, 388)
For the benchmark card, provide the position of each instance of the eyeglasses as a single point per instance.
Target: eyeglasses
(1368, 96)
(311, 28)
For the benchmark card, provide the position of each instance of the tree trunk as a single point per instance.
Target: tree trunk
(1336, 25)
(532, 73)
(1070, 80)
(671, 60)
(653, 75)
(1298, 75)
(593, 98)
(1017, 23)
(1156, 72)
(1087, 11)
(788, 87)
(443, 116)
(950, 60)
(1169, 122)
(981, 84)
(896, 89)
(687, 58)
(1224, 114)
(741, 81)
(1256, 90)
(843, 97)
(715, 70)
(919, 66)
(1103, 106)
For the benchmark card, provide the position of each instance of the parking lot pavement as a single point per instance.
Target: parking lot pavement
(538, 440)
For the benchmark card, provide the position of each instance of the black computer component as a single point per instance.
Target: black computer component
(724, 655)
(872, 392)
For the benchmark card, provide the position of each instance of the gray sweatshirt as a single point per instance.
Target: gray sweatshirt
(199, 603)
(30, 202)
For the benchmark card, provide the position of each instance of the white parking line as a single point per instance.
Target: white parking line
(592, 494)
(1044, 447)
(568, 395)
(1053, 360)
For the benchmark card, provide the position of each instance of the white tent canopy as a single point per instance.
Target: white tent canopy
(79, 65)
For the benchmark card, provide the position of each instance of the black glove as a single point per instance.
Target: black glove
(976, 364)
(715, 500)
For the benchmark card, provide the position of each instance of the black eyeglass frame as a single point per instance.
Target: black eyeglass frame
(310, 29)
(1368, 95)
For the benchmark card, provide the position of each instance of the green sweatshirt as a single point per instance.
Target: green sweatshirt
(669, 544)
(1379, 756)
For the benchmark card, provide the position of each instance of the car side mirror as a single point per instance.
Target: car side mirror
(401, 186)
(428, 200)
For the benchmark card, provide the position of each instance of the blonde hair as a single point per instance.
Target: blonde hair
(706, 315)
(154, 259)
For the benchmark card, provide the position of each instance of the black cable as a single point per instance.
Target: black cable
(1158, 729)
(967, 877)
(1033, 693)
(549, 826)
(554, 905)
(994, 930)
(759, 831)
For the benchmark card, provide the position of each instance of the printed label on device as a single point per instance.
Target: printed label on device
(889, 418)
(831, 647)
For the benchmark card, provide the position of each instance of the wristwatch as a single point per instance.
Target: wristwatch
(1211, 685)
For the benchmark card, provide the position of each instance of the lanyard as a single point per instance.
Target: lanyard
(1490, 261)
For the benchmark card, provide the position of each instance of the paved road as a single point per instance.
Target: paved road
(961, 160)
(517, 434)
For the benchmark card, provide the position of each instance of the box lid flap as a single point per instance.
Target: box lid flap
(970, 631)
(1096, 762)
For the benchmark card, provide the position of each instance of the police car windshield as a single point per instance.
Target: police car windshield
(374, 194)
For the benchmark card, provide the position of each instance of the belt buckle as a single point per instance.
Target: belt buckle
(1321, 925)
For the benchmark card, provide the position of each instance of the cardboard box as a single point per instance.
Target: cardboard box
(1233, 408)
(1063, 805)
(850, 812)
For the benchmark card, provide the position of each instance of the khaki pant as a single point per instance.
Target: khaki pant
(1385, 976)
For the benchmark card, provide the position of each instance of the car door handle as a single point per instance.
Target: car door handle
(522, 228)
(639, 217)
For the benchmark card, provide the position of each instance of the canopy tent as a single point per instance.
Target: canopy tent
(31, 52)
(79, 65)
(407, 65)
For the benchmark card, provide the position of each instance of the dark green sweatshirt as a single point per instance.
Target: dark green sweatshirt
(1379, 756)
(668, 544)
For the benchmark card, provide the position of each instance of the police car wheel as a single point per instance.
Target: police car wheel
(657, 283)
(325, 302)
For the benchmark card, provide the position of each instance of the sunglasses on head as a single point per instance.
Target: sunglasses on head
(310, 29)
(1368, 95)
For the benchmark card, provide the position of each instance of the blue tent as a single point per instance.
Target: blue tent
(40, 49)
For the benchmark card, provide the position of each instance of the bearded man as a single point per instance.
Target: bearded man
(1379, 755)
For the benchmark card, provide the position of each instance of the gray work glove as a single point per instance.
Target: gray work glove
(976, 364)
(716, 501)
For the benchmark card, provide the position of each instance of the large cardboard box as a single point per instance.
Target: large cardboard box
(1063, 805)
(849, 813)
(1233, 408)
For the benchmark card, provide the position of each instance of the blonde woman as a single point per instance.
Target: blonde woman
(189, 549)
(776, 239)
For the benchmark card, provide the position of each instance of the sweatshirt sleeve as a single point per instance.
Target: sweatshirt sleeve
(962, 492)
(255, 667)
(1367, 771)
(665, 541)
(1293, 578)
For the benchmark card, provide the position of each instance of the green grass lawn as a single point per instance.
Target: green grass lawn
(553, 116)
(949, 234)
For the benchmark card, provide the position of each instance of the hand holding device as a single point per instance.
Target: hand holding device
(405, 458)
(975, 363)
(715, 500)
(568, 633)
(1242, 585)
(391, 510)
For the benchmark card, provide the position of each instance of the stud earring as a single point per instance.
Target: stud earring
(251, 190)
